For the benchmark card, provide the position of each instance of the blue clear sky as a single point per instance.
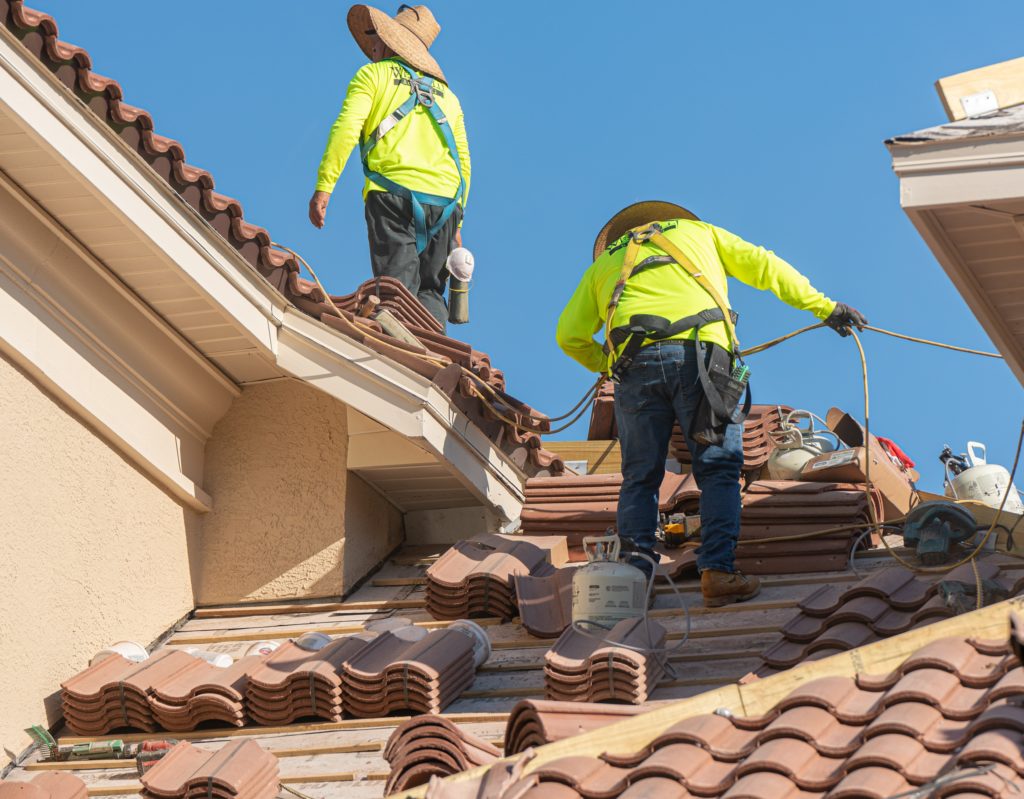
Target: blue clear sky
(764, 118)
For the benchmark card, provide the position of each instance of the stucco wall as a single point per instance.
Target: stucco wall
(93, 552)
(288, 519)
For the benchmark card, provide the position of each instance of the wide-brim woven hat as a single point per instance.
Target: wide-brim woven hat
(635, 215)
(409, 34)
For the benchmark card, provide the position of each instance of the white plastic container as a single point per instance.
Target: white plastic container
(983, 482)
(132, 650)
(481, 643)
(218, 659)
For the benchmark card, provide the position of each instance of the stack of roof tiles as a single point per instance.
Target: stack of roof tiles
(586, 505)
(293, 683)
(48, 785)
(429, 746)
(949, 722)
(887, 602)
(535, 722)
(474, 579)
(616, 665)
(72, 66)
(202, 692)
(393, 672)
(116, 692)
(774, 509)
(238, 770)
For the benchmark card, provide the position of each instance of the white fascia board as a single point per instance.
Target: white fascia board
(402, 401)
(959, 171)
(63, 124)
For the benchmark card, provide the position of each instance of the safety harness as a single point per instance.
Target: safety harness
(422, 93)
(648, 327)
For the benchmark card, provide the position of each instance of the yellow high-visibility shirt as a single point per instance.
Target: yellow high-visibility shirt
(414, 153)
(669, 291)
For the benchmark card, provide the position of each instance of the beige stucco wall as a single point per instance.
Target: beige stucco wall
(288, 519)
(93, 552)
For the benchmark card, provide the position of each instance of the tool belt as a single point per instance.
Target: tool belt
(720, 401)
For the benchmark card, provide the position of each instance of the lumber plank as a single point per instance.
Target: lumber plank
(1005, 80)
(326, 726)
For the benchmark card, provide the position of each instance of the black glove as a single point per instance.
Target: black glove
(844, 317)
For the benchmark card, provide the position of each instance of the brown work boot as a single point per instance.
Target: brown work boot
(723, 588)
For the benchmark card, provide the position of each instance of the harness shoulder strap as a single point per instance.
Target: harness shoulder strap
(663, 243)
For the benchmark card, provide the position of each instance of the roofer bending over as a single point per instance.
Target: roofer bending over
(658, 282)
(412, 142)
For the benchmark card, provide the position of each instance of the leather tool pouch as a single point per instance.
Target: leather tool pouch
(720, 401)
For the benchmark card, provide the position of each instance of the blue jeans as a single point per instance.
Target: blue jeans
(661, 387)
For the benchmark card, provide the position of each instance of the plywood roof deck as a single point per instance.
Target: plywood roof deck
(344, 760)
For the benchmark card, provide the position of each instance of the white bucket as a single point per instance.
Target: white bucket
(312, 642)
(263, 648)
(218, 659)
(132, 650)
(481, 643)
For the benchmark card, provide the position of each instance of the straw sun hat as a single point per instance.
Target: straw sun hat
(635, 215)
(409, 34)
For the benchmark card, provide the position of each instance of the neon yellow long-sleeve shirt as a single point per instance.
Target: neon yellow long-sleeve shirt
(671, 292)
(414, 153)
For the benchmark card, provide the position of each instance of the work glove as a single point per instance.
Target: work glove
(844, 317)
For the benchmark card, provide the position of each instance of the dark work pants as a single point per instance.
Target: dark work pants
(393, 253)
(659, 388)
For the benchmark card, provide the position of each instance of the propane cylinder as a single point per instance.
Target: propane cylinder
(606, 591)
(795, 446)
(983, 481)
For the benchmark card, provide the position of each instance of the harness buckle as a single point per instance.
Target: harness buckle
(424, 92)
(642, 236)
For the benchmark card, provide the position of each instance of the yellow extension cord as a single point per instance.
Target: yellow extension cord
(489, 396)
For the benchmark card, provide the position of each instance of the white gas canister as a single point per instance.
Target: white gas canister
(983, 482)
(605, 591)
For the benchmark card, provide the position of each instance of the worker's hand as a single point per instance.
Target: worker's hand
(844, 317)
(458, 237)
(318, 207)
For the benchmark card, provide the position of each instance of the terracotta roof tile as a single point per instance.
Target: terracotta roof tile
(475, 578)
(237, 770)
(428, 746)
(583, 667)
(535, 722)
(951, 710)
(887, 602)
(48, 785)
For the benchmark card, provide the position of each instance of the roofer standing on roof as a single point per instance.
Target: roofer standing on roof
(658, 281)
(412, 141)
